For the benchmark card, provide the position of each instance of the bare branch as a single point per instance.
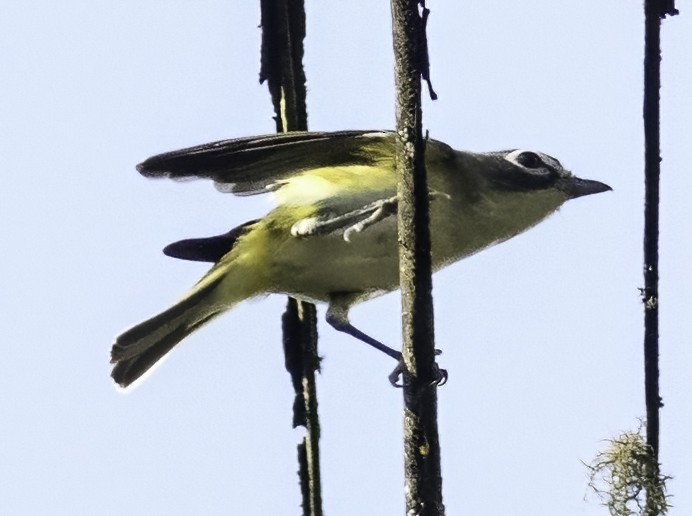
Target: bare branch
(421, 375)
(283, 32)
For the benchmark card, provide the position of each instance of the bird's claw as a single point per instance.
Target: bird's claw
(395, 375)
(382, 209)
(441, 375)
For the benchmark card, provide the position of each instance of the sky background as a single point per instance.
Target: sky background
(542, 335)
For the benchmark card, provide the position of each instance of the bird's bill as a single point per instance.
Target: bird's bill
(576, 187)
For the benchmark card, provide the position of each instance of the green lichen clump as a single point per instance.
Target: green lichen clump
(627, 478)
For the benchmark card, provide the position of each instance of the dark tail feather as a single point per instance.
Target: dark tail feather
(127, 370)
(210, 249)
(140, 347)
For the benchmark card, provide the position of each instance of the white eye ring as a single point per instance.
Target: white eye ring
(526, 159)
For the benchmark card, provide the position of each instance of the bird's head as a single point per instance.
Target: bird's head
(523, 170)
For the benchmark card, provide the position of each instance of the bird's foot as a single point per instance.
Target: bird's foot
(380, 210)
(441, 375)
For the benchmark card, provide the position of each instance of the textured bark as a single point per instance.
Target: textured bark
(423, 480)
(654, 10)
(283, 32)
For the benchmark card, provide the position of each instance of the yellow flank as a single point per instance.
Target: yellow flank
(329, 182)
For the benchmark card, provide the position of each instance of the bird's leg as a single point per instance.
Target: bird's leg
(337, 317)
(349, 222)
(395, 375)
(345, 326)
(380, 210)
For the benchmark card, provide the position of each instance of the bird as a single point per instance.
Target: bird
(331, 236)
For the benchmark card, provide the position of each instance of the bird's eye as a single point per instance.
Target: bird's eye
(529, 160)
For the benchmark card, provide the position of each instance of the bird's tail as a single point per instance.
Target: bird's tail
(140, 347)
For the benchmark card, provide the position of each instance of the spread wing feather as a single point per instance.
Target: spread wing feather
(247, 166)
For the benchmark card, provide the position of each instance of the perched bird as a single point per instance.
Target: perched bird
(332, 235)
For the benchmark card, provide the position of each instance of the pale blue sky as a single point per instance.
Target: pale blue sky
(541, 335)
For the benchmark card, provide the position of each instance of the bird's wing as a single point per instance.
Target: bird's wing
(258, 164)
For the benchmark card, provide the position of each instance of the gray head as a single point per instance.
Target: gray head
(525, 170)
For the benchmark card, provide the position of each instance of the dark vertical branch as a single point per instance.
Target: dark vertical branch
(283, 32)
(654, 10)
(652, 85)
(421, 442)
(300, 349)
